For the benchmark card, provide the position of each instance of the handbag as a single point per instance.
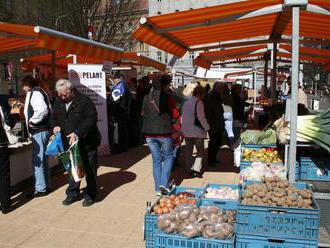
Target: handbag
(197, 123)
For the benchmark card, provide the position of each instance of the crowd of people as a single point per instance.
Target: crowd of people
(148, 110)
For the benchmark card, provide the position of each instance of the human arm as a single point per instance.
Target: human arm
(40, 108)
(53, 120)
(89, 119)
(201, 115)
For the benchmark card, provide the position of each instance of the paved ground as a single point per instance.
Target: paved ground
(116, 220)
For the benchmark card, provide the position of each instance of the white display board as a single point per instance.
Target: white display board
(90, 80)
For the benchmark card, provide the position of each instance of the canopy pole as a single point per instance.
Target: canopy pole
(274, 72)
(53, 67)
(294, 93)
(266, 70)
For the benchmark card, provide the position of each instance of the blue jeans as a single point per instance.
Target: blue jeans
(162, 159)
(40, 161)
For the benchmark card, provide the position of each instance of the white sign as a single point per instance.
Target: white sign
(90, 80)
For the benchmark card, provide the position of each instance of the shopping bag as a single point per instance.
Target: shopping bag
(55, 145)
(72, 162)
(237, 156)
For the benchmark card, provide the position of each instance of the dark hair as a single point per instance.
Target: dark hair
(163, 81)
(134, 81)
(29, 81)
(145, 79)
(119, 75)
(198, 91)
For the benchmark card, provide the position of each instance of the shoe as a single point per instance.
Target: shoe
(69, 200)
(88, 201)
(198, 174)
(191, 172)
(36, 194)
(163, 190)
(5, 209)
(158, 194)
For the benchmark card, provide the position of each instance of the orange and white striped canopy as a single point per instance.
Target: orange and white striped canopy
(177, 33)
(14, 37)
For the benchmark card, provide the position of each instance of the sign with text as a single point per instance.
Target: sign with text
(90, 80)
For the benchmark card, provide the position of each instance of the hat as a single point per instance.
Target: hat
(118, 75)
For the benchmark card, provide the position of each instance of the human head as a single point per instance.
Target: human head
(28, 82)
(199, 92)
(64, 89)
(165, 82)
(236, 89)
(217, 87)
(118, 76)
(189, 89)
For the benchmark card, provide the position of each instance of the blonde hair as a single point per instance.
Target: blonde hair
(63, 83)
(188, 91)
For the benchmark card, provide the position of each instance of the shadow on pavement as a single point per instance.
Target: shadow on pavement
(127, 159)
(108, 182)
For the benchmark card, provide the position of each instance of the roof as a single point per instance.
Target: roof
(14, 37)
(177, 33)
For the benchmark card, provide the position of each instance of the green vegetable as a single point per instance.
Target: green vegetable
(256, 137)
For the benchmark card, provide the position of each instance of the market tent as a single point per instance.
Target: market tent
(62, 59)
(14, 37)
(266, 20)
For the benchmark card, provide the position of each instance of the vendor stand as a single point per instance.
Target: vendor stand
(274, 22)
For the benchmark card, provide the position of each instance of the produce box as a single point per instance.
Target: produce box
(315, 169)
(259, 154)
(164, 240)
(221, 203)
(279, 222)
(252, 241)
(150, 219)
(258, 146)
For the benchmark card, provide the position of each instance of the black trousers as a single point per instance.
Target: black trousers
(4, 177)
(89, 157)
(214, 146)
(123, 134)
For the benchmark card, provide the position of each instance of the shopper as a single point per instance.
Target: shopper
(227, 104)
(238, 110)
(122, 104)
(74, 115)
(5, 200)
(158, 110)
(193, 113)
(214, 116)
(37, 111)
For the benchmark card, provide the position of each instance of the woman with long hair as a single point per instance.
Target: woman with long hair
(158, 110)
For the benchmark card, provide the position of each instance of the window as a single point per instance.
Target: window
(177, 10)
(159, 56)
(159, 1)
(192, 56)
(166, 58)
(159, 13)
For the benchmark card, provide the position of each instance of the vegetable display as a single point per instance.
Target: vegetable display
(257, 137)
(191, 221)
(277, 192)
(222, 193)
(258, 171)
(310, 128)
(265, 155)
(166, 204)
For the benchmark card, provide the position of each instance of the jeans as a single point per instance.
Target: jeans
(190, 143)
(4, 177)
(162, 159)
(89, 158)
(40, 161)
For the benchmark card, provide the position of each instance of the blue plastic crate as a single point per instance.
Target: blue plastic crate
(196, 191)
(279, 222)
(150, 227)
(258, 146)
(315, 169)
(248, 241)
(164, 240)
(220, 203)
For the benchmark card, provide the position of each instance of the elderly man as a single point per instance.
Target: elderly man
(74, 115)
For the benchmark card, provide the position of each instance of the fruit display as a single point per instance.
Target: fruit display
(265, 155)
(188, 194)
(191, 221)
(166, 204)
(277, 192)
(225, 193)
(258, 171)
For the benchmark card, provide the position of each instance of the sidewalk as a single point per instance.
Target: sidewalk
(116, 220)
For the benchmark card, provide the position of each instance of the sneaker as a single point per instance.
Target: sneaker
(198, 174)
(88, 201)
(36, 194)
(5, 209)
(163, 190)
(69, 200)
(158, 194)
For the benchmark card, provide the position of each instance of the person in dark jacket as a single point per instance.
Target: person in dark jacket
(74, 115)
(214, 116)
(238, 110)
(121, 110)
(4, 164)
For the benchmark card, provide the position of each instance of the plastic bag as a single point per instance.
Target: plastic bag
(237, 156)
(55, 145)
(72, 162)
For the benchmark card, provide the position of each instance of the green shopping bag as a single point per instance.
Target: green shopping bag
(72, 162)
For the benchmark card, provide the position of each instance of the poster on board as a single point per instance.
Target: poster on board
(90, 80)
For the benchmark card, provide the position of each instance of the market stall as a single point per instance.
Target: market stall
(254, 23)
